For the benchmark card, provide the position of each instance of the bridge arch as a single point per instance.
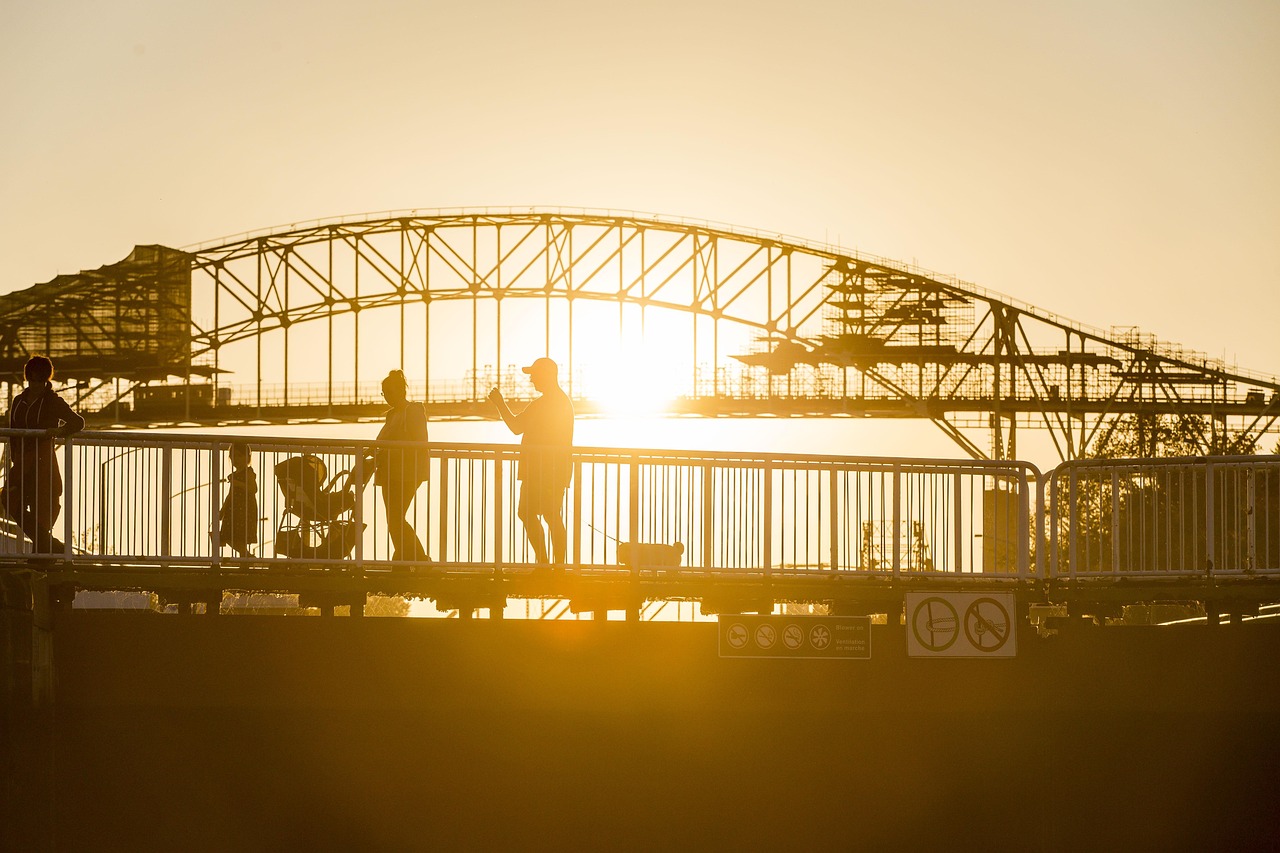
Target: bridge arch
(301, 321)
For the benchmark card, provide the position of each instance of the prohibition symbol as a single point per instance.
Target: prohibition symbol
(936, 624)
(792, 637)
(820, 637)
(737, 635)
(766, 636)
(986, 624)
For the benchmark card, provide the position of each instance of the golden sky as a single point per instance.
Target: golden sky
(1114, 162)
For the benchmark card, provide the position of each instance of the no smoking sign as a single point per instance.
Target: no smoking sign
(768, 636)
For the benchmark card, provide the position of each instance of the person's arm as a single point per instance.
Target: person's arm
(508, 417)
(71, 420)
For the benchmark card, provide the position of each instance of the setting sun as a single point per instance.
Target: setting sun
(632, 380)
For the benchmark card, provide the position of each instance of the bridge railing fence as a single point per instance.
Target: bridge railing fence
(1175, 517)
(151, 499)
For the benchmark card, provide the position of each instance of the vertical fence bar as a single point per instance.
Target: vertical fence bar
(215, 529)
(835, 519)
(707, 517)
(1250, 522)
(444, 509)
(1115, 521)
(897, 521)
(577, 512)
(1073, 517)
(1024, 525)
(497, 513)
(957, 499)
(67, 550)
(359, 508)
(767, 500)
(166, 489)
(633, 514)
(1209, 540)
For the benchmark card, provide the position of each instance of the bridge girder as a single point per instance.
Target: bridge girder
(759, 321)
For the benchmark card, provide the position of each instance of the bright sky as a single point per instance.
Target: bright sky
(1114, 162)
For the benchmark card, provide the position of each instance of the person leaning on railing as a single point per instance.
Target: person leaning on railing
(33, 490)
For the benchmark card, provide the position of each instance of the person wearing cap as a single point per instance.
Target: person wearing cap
(33, 490)
(545, 428)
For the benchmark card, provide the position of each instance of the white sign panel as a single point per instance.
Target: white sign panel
(961, 624)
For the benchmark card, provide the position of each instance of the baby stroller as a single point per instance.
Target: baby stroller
(325, 529)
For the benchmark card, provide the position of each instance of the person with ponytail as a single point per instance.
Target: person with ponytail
(400, 471)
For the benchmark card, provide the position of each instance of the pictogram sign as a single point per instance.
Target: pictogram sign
(961, 624)
(768, 636)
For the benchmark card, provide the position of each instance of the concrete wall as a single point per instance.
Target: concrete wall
(269, 733)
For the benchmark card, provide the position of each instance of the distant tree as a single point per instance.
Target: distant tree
(1157, 436)
(1155, 519)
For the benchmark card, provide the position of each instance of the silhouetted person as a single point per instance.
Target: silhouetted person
(238, 518)
(545, 428)
(33, 492)
(400, 471)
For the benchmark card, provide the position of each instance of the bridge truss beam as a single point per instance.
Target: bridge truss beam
(739, 322)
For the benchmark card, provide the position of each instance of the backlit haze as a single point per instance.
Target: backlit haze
(1114, 163)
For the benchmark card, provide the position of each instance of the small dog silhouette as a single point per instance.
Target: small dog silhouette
(650, 554)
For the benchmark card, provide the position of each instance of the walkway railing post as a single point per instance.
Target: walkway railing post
(1115, 521)
(497, 512)
(69, 489)
(1024, 525)
(577, 512)
(708, 515)
(835, 519)
(444, 509)
(897, 521)
(1073, 522)
(1250, 520)
(1209, 540)
(767, 500)
(215, 529)
(358, 510)
(166, 510)
(633, 514)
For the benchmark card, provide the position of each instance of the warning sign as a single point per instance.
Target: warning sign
(961, 624)
(755, 636)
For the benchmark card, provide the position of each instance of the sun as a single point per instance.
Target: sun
(630, 380)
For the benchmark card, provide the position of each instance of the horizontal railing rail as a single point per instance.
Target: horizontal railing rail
(180, 501)
(1206, 517)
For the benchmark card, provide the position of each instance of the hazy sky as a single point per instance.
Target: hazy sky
(1116, 162)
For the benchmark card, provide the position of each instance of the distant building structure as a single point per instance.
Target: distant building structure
(129, 320)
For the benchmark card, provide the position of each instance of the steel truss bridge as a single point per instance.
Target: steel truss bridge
(300, 323)
(731, 532)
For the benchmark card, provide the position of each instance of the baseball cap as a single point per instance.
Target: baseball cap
(542, 365)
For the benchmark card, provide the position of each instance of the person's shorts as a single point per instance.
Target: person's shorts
(541, 498)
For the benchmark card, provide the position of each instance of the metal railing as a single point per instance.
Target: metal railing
(148, 499)
(1177, 517)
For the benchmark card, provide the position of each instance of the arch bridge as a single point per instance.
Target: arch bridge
(299, 323)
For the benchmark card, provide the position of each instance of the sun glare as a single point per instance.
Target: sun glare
(629, 381)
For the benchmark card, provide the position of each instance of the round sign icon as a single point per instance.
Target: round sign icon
(766, 636)
(936, 624)
(793, 637)
(737, 635)
(820, 637)
(986, 624)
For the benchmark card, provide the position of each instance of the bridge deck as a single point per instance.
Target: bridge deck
(730, 531)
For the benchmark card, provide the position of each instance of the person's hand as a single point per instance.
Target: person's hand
(495, 397)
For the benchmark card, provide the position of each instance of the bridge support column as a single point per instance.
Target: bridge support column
(26, 712)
